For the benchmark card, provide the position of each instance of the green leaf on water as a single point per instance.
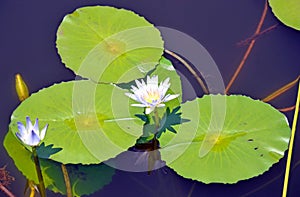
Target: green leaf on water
(287, 11)
(229, 138)
(107, 44)
(90, 122)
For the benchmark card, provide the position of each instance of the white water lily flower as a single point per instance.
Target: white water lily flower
(151, 95)
(31, 135)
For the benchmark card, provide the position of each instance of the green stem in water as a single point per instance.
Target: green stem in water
(154, 154)
(39, 172)
(156, 120)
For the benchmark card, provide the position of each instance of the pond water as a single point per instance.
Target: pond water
(28, 47)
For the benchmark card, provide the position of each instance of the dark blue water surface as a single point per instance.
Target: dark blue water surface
(27, 46)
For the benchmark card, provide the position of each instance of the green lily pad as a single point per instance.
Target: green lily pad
(85, 179)
(253, 137)
(90, 122)
(287, 12)
(107, 44)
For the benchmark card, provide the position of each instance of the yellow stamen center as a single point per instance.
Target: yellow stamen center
(152, 96)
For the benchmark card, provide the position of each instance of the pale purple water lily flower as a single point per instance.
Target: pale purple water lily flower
(150, 94)
(31, 135)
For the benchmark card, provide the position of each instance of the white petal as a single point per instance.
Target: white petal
(133, 88)
(161, 105)
(43, 132)
(22, 129)
(140, 84)
(170, 97)
(166, 81)
(33, 139)
(143, 82)
(20, 137)
(149, 110)
(139, 96)
(132, 96)
(29, 126)
(163, 87)
(36, 127)
(152, 80)
(138, 105)
(148, 79)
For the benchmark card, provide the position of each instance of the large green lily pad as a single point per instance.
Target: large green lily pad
(84, 179)
(253, 137)
(90, 122)
(287, 11)
(107, 44)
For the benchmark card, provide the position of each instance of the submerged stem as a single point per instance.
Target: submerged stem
(192, 71)
(249, 49)
(289, 158)
(39, 172)
(67, 180)
(156, 120)
(153, 153)
(281, 90)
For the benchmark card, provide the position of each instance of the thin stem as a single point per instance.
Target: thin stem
(67, 180)
(287, 109)
(289, 158)
(249, 49)
(156, 120)
(248, 40)
(281, 90)
(39, 172)
(192, 71)
(154, 154)
(6, 191)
